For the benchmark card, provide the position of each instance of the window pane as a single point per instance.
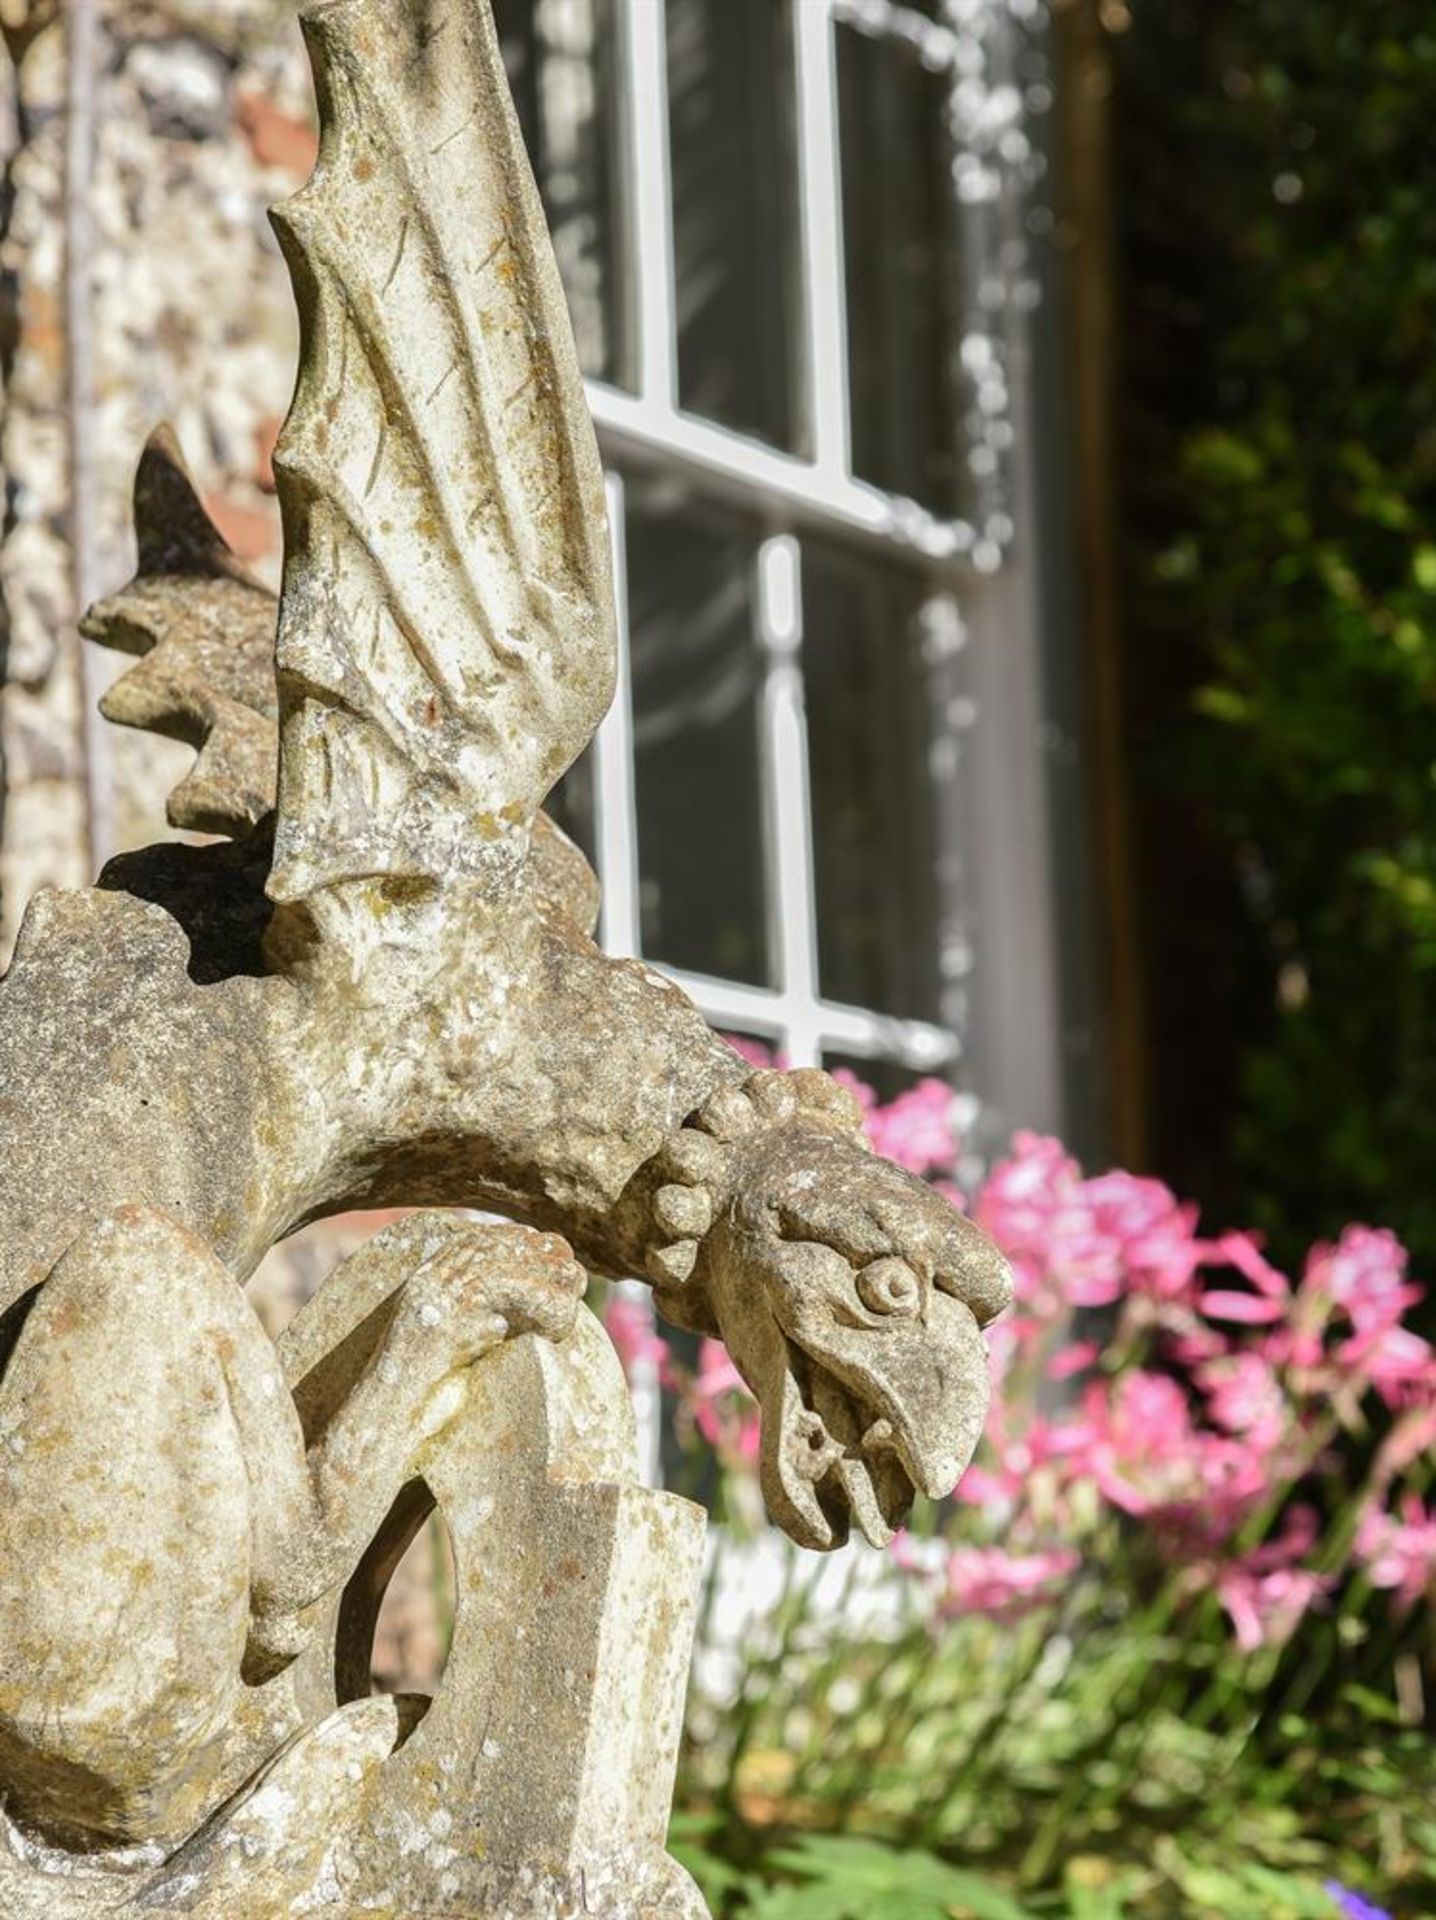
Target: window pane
(730, 97)
(560, 56)
(696, 680)
(901, 269)
(869, 745)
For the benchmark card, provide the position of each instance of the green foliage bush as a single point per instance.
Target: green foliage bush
(1276, 197)
(1169, 1651)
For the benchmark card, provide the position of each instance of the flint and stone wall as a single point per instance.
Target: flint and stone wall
(147, 255)
(142, 141)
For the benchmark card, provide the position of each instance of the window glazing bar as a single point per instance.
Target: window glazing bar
(787, 829)
(820, 195)
(615, 806)
(773, 1016)
(645, 53)
(634, 431)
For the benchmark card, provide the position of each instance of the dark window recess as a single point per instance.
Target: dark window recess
(902, 273)
(869, 749)
(735, 213)
(560, 56)
(885, 1077)
(696, 678)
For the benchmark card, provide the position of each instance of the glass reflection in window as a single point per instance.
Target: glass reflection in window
(869, 741)
(696, 676)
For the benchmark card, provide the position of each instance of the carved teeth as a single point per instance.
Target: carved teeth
(863, 1504)
(815, 1451)
(878, 1435)
(685, 1212)
(675, 1263)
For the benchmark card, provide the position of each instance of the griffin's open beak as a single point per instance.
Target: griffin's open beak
(930, 1381)
(867, 1415)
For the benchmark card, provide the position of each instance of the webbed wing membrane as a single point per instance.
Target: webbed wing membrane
(446, 642)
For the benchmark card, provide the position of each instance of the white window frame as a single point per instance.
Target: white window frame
(980, 622)
(972, 578)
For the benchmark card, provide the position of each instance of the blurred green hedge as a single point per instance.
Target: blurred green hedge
(1275, 186)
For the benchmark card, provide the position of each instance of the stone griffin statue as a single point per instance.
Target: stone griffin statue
(382, 992)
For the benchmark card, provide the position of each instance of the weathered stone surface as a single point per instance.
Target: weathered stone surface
(204, 631)
(402, 1008)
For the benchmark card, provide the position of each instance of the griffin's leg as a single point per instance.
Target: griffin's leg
(125, 1526)
(375, 1360)
(163, 1534)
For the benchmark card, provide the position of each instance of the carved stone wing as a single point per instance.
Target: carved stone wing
(204, 633)
(446, 635)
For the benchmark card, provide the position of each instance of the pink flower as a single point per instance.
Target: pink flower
(1085, 1243)
(724, 1410)
(917, 1128)
(630, 1327)
(1270, 1299)
(1075, 1359)
(1190, 1342)
(1365, 1275)
(1004, 1586)
(992, 1488)
(1266, 1608)
(1400, 1553)
(1205, 1400)
(1410, 1439)
(1266, 1592)
(1244, 1396)
(1156, 1234)
(717, 1374)
(1015, 1454)
(1246, 1309)
(1397, 1362)
(1032, 1205)
(1241, 1250)
(1150, 1460)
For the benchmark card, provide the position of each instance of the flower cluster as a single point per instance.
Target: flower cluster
(1182, 1382)
(1161, 1387)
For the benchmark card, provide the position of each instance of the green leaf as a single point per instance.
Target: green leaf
(812, 1902)
(717, 1878)
(1374, 1705)
(1094, 1891)
(1287, 1894)
(871, 1881)
(983, 1901)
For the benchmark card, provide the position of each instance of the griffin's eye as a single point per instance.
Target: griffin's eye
(889, 1286)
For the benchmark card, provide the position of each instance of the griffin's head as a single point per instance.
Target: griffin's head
(852, 1297)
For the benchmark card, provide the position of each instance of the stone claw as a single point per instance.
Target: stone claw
(493, 1283)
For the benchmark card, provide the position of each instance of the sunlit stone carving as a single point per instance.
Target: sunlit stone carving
(383, 993)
